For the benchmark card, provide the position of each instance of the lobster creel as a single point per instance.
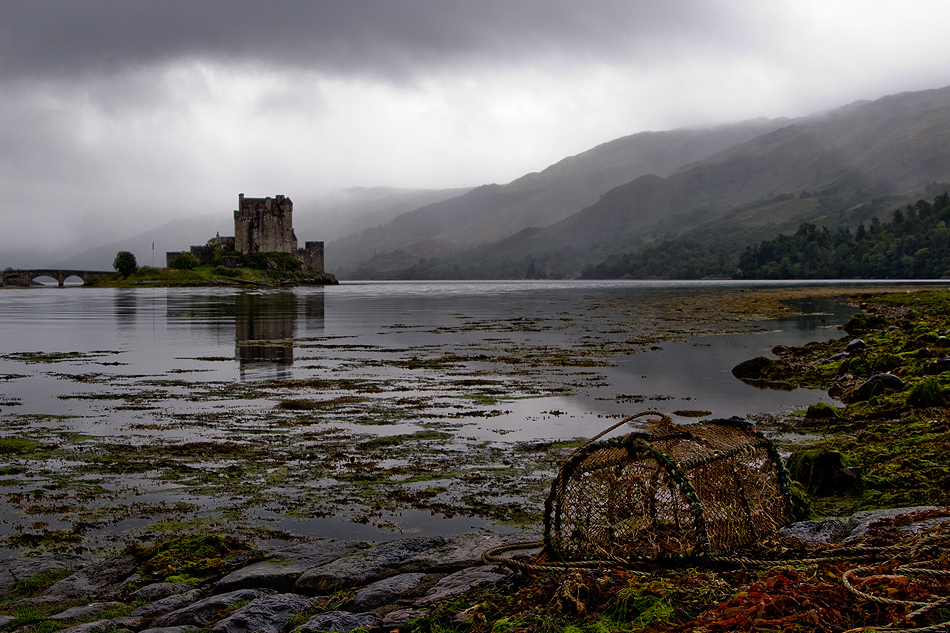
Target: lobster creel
(678, 492)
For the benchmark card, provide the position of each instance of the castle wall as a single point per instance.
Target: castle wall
(312, 256)
(204, 254)
(264, 225)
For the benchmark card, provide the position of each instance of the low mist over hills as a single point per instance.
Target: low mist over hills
(722, 188)
(494, 212)
(731, 185)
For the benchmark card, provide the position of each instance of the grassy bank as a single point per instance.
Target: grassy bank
(213, 276)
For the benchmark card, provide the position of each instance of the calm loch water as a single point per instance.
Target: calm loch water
(366, 410)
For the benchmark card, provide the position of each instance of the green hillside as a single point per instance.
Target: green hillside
(915, 244)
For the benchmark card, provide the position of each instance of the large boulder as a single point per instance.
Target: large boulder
(877, 384)
(206, 612)
(465, 550)
(14, 570)
(99, 626)
(754, 369)
(824, 472)
(861, 521)
(143, 614)
(91, 581)
(460, 582)
(836, 530)
(339, 622)
(387, 591)
(365, 566)
(85, 611)
(267, 614)
(824, 531)
(160, 590)
(284, 566)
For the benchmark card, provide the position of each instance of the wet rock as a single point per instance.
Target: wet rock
(22, 568)
(172, 629)
(860, 521)
(339, 622)
(365, 566)
(942, 365)
(835, 358)
(85, 611)
(856, 345)
(460, 582)
(826, 531)
(159, 590)
(878, 383)
(462, 551)
(92, 580)
(95, 627)
(206, 612)
(822, 410)
(824, 472)
(924, 352)
(395, 619)
(140, 615)
(118, 591)
(386, 591)
(268, 614)
(753, 369)
(291, 562)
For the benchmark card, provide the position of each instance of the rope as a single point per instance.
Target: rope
(841, 554)
(923, 607)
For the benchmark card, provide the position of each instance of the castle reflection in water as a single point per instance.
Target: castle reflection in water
(266, 324)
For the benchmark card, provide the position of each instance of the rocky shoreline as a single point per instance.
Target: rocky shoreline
(319, 585)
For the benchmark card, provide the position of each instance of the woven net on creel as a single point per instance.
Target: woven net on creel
(676, 492)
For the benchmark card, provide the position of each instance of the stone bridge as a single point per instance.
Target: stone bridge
(24, 278)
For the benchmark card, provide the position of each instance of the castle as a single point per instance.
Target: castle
(261, 225)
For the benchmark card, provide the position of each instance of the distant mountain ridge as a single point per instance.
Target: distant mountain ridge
(748, 181)
(493, 212)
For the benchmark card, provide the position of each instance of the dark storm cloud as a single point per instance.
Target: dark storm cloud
(62, 38)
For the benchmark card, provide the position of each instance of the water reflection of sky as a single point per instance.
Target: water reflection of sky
(223, 334)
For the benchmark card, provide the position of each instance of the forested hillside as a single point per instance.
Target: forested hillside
(915, 244)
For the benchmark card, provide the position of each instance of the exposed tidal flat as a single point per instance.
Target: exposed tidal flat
(368, 411)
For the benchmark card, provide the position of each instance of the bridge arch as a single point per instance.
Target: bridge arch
(44, 280)
(26, 278)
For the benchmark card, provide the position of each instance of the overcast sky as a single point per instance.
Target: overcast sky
(117, 116)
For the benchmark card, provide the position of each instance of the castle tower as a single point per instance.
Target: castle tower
(264, 225)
